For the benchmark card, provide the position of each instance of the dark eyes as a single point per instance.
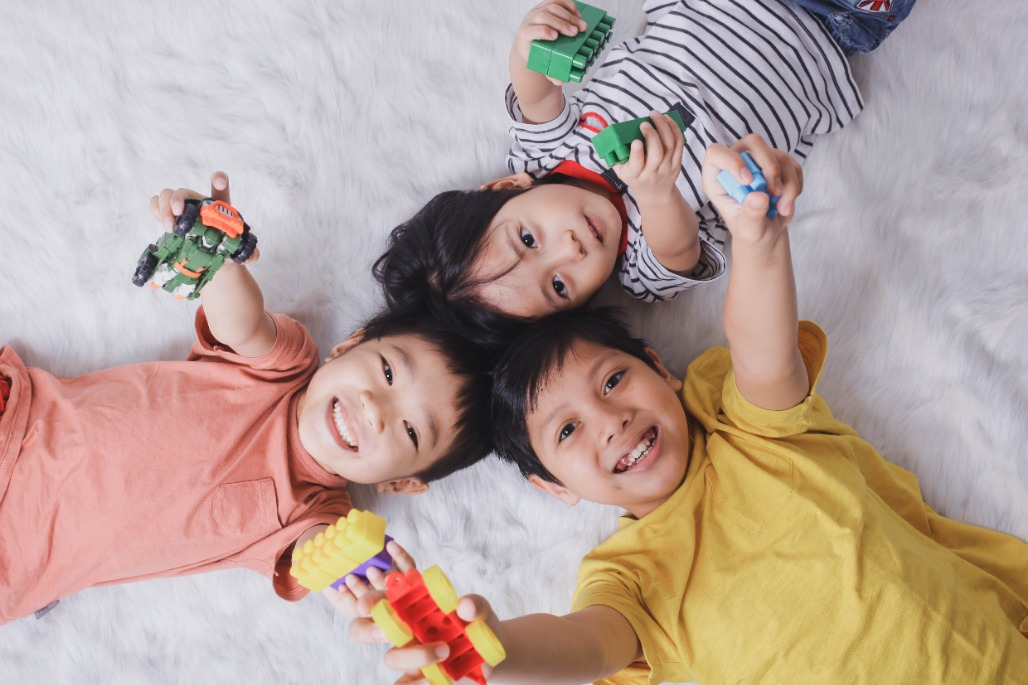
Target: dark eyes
(612, 382)
(566, 432)
(526, 237)
(387, 371)
(559, 287)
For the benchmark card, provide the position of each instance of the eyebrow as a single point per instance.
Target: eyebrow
(408, 364)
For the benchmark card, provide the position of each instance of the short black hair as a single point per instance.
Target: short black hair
(429, 264)
(470, 364)
(532, 358)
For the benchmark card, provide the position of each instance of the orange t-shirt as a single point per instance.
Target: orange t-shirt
(157, 469)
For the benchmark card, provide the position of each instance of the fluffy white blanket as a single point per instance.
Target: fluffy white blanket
(336, 120)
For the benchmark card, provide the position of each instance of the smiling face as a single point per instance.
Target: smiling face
(611, 429)
(381, 411)
(548, 249)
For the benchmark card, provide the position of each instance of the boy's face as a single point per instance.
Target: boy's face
(555, 246)
(381, 411)
(611, 429)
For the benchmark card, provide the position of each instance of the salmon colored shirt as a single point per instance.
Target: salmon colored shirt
(794, 553)
(157, 469)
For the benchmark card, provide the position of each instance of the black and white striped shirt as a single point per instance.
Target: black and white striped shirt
(740, 66)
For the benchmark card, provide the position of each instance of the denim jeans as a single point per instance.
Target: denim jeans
(858, 25)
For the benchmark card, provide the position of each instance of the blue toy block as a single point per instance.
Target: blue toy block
(738, 192)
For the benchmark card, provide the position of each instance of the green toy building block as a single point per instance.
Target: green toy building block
(614, 143)
(567, 57)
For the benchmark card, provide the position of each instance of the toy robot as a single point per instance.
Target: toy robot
(184, 261)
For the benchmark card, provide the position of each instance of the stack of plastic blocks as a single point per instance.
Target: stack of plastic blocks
(340, 550)
(567, 58)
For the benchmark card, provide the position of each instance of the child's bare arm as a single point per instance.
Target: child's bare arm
(542, 649)
(668, 222)
(541, 98)
(760, 314)
(232, 301)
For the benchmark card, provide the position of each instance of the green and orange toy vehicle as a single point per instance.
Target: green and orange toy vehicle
(206, 234)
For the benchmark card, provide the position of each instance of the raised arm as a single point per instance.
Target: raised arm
(668, 222)
(760, 314)
(541, 99)
(542, 649)
(232, 301)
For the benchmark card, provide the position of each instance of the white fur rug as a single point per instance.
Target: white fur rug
(336, 120)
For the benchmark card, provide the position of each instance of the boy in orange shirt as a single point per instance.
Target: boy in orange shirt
(228, 458)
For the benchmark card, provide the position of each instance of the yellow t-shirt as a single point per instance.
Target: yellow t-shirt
(793, 553)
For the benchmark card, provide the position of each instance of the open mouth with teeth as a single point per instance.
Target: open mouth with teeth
(639, 453)
(344, 436)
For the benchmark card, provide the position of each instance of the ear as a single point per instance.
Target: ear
(673, 381)
(558, 491)
(346, 345)
(403, 486)
(512, 182)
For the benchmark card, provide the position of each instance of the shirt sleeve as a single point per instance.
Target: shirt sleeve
(810, 415)
(645, 278)
(293, 352)
(538, 148)
(330, 506)
(601, 585)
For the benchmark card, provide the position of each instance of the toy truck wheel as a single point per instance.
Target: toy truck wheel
(186, 220)
(145, 267)
(440, 589)
(485, 642)
(246, 248)
(395, 630)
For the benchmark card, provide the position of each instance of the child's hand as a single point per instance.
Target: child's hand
(546, 21)
(169, 203)
(748, 222)
(345, 599)
(415, 656)
(655, 161)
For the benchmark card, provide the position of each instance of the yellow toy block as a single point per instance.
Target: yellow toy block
(340, 549)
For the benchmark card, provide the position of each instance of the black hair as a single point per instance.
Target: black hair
(470, 364)
(533, 358)
(428, 265)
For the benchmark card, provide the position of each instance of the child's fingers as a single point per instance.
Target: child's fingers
(719, 158)
(414, 657)
(355, 585)
(653, 146)
(365, 631)
(402, 560)
(368, 600)
(219, 187)
(161, 209)
(633, 166)
(665, 127)
(766, 158)
(567, 11)
(792, 186)
(376, 578)
(344, 601)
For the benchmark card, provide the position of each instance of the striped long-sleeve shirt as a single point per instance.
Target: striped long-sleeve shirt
(740, 67)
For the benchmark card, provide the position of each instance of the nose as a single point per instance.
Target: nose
(372, 411)
(570, 247)
(612, 423)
